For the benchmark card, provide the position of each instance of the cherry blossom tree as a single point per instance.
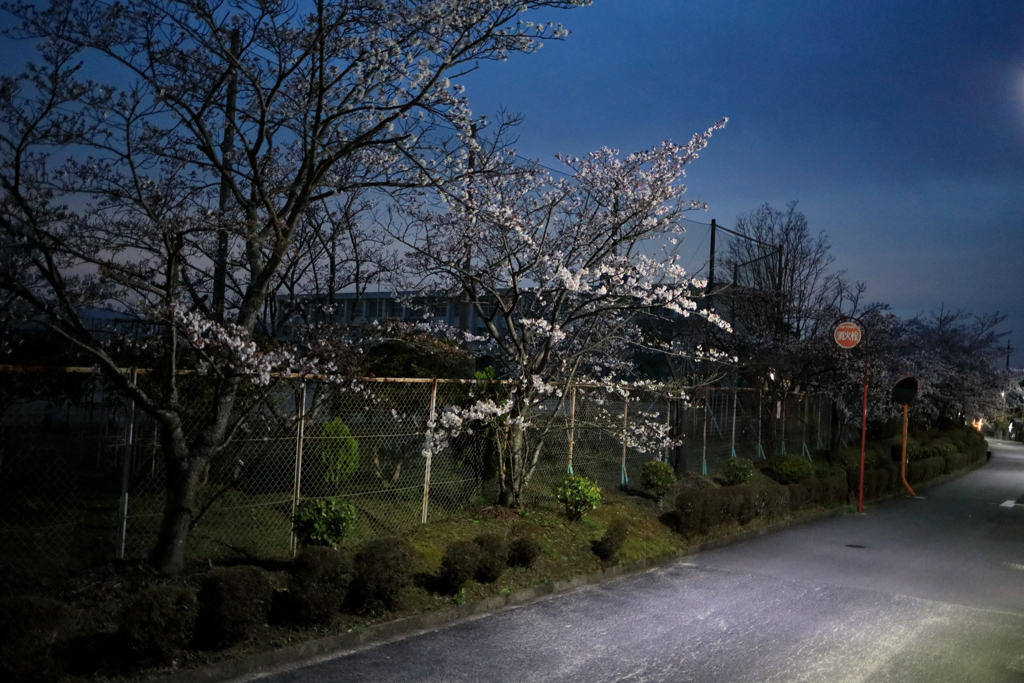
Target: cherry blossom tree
(557, 271)
(164, 158)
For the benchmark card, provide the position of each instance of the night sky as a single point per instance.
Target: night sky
(898, 126)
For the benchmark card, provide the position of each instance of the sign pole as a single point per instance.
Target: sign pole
(863, 441)
(848, 334)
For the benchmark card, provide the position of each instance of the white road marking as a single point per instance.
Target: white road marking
(1008, 504)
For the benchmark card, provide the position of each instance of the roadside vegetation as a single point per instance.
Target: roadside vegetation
(125, 622)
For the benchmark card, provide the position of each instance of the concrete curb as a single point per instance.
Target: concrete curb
(293, 655)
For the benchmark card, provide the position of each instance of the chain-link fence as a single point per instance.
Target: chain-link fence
(82, 476)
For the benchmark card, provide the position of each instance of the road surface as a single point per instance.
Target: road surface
(923, 590)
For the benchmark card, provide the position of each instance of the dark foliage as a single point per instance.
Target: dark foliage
(383, 568)
(317, 587)
(608, 546)
(657, 478)
(700, 510)
(493, 557)
(737, 471)
(158, 622)
(29, 627)
(523, 551)
(233, 603)
(460, 564)
(788, 469)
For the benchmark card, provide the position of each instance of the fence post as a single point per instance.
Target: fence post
(300, 435)
(807, 419)
(572, 425)
(668, 425)
(760, 449)
(704, 447)
(624, 480)
(732, 451)
(126, 464)
(430, 451)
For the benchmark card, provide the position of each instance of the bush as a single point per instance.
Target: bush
(233, 603)
(323, 521)
(579, 495)
(657, 478)
(523, 551)
(159, 621)
(29, 625)
(737, 471)
(788, 469)
(459, 564)
(493, 557)
(317, 587)
(338, 451)
(770, 500)
(799, 497)
(608, 546)
(382, 569)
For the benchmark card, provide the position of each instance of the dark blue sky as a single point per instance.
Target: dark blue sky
(898, 125)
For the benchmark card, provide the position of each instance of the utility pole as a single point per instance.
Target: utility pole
(711, 267)
(220, 263)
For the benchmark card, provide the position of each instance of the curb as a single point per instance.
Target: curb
(267, 662)
(301, 653)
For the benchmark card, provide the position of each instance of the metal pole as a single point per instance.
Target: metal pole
(572, 424)
(863, 442)
(300, 434)
(430, 451)
(126, 463)
(903, 458)
(733, 446)
(624, 480)
(704, 447)
(760, 450)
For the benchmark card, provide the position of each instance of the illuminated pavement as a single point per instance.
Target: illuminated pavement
(935, 594)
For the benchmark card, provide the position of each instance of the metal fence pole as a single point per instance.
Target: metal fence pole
(704, 447)
(760, 449)
(126, 464)
(624, 480)
(732, 451)
(300, 433)
(572, 425)
(430, 451)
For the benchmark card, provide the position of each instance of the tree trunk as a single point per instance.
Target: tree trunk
(184, 471)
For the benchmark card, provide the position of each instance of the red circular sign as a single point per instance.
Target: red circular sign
(847, 334)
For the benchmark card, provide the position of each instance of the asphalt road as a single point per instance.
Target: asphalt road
(916, 590)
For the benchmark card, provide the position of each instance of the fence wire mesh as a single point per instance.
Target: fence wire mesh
(83, 478)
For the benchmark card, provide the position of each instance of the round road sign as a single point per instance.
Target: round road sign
(847, 334)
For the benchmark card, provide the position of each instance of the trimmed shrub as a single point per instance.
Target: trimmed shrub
(323, 521)
(459, 564)
(382, 569)
(925, 470)
(771, 500)
(493, 557)
(737, 471)
(799, 496)
(523, 551)
(608, 546)
(788, 469)
(579, 495)
(657, 478)
(317, 587)
(29, 625)
(159, 621)
(814, 491)
(233, 603)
